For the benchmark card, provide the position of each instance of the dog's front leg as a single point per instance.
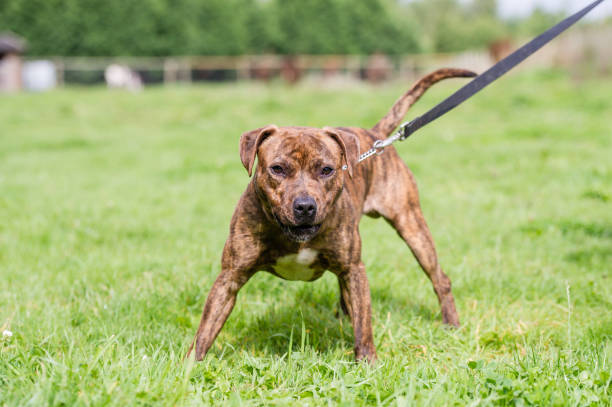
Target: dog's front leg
(219, 305)
(355, 291)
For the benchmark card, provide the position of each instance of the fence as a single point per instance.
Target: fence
(581, 50)
(374, 68)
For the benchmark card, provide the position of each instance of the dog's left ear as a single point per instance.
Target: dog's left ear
(349, 143)
(249, 143)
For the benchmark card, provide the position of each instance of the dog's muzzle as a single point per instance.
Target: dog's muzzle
(299, 233)
(302, 233)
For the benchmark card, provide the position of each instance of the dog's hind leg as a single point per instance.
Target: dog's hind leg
(406, 217)
(411, 226)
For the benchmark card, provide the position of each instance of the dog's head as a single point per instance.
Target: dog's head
(300, 173)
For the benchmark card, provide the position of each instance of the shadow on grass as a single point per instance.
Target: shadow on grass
(314, 318)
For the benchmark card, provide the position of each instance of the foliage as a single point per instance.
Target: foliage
(232, 27)
(114, 208)
(538, 22)
(211, 27)
(448, 26)
(341, 26)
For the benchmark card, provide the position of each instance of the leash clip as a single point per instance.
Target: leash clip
(379, 145)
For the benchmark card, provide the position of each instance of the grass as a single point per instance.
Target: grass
(114, 208)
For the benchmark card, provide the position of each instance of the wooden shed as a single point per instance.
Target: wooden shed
(11, 49)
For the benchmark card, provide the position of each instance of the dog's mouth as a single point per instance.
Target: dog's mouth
(299, 233)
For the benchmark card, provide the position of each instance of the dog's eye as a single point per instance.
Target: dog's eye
(277, 170)
(325, 171)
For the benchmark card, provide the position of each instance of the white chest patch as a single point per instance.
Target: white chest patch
(297, 266)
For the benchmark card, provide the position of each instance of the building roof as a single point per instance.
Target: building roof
(10, 42)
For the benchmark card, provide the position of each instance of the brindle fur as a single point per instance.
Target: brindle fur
(263, 227)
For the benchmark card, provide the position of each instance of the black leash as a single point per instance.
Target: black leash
(480, 82)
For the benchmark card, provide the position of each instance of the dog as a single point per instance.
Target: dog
(299, 216)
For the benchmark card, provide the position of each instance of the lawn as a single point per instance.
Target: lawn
(114, 208)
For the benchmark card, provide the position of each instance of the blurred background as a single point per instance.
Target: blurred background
(131, 44)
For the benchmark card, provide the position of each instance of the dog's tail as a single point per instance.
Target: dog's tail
(393, 119)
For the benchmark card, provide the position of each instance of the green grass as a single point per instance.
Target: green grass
(114, 208)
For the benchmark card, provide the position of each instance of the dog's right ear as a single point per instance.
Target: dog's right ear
(249, 143)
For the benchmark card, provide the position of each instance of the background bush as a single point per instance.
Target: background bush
(233, 27)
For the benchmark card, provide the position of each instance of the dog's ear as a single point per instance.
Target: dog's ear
(249, 143)
(349, 143)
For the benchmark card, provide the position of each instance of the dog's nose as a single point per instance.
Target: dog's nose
(304, 209)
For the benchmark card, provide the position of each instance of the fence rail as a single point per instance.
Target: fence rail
(264, 67)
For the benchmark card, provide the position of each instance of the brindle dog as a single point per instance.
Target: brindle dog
(299, 216)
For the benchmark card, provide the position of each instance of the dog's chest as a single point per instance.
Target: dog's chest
(297, 266)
